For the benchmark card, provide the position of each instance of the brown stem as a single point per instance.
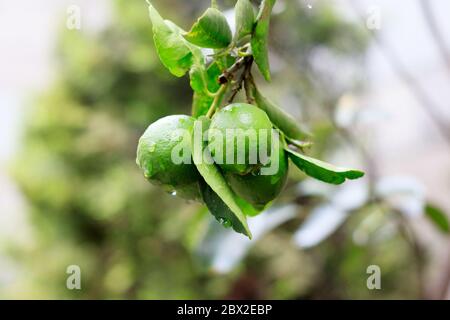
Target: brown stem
(250, 87)
(242, 78)
(228, 74)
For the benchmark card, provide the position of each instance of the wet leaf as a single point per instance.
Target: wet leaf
(217, 195)
(260, 37)
(210, 31)
(321, 170)
(245, 18)
(173, 51)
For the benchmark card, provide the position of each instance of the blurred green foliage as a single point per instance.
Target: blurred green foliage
(90, 206)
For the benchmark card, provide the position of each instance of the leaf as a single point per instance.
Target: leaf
(260, 38)
(438, 217)
(321, 170)
(198, 78)
(217, 195)
(247, 208)
(200, 104)
(245, 18)
(201, 99)
(173, 51)
(221, 211)
(210, 31)
(202, 81)
(282, 120)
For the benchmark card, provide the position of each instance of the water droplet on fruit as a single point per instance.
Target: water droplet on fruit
(148, 172)
(225, 222)
(168, 188)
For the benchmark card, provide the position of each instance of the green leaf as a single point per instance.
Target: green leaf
(198, 78)
(249, 209)
(203, 82)
(202, 99)
(221, 211)
(200, 104)
(282, 120)
(321, 170)
(219, 198)
(175, 54)
(260, 38)
(210, 31)
(438, 217)
(245, 18)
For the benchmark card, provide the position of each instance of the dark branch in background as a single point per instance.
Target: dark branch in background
(424, 101)
(435, 32)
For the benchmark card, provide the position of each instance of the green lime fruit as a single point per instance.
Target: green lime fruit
(164, 153)
(239, 138)
(264, 185)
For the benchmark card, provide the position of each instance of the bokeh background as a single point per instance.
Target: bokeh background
(370, 79)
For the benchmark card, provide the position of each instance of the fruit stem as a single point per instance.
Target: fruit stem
(302, 145)
(241, 80)
(228, 74)
(250, 87)
(217, 100)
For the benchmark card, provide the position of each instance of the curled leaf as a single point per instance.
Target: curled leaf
(210, 31)
(260, 37)
(245, 18)
(173, 51)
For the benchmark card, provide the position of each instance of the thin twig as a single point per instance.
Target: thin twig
(228, 74)
(217, 100)
(242, 78)
(250, 86)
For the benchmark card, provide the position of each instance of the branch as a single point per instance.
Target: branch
(228, 74)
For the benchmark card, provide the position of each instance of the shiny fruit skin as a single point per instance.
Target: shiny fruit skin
(154, 156)
(240, 119)
(259, 189)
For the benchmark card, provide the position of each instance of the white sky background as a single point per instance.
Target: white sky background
(405, 141)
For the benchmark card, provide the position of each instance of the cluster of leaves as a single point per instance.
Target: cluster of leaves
(88, 204)
(225, 72)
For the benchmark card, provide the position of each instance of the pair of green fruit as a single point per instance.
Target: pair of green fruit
(246, 179)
